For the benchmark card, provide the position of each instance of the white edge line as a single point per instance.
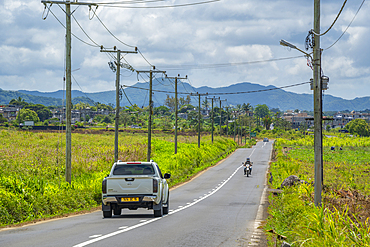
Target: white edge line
(155, 219)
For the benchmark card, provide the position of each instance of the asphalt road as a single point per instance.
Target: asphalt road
(220, 207)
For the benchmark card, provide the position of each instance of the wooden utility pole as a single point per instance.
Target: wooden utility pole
(317, 105)
(118, 73)
(234, 124)
(227, 121)
(199, 121)
(176, 106)
(199, 115)
(221, 113)
(68, 172)
(212, 117)
(150, 109)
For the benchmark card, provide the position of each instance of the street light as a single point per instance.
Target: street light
(317, 87)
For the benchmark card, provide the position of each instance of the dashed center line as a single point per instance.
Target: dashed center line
(145, 222)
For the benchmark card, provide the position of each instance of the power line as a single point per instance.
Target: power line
(347, 27)
(141, 54)
(130, 2)
(66, 28)
(255, 91)
(163, 6)
(212, 66)
(336, 18)
(111, 32)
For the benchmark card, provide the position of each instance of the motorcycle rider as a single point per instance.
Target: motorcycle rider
(248, 162)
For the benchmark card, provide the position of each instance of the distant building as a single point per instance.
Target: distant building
(10, 112)
(298, 120)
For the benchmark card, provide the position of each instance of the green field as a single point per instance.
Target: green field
(343, 219)
(32, 165)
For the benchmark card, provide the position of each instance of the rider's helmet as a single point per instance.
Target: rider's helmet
(248, 159)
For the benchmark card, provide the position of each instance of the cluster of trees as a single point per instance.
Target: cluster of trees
(359, 127)
(260, 117)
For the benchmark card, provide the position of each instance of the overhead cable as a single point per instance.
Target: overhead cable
(111, 32)
(255, 91)
(336, 18)
(66, 28)
(211, 66)
(130, 2)
(347, 27)
(163, 6)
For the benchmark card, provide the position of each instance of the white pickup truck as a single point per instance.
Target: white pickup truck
(135, 185)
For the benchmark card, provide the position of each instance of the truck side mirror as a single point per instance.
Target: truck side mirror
(167, 175)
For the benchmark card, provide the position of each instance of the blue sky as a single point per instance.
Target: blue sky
(182, 41)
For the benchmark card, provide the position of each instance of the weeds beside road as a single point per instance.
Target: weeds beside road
(32, 183)
(344, 218)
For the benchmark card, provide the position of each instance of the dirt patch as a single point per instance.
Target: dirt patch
(354, 202)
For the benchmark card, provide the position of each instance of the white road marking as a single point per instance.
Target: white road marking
(122, 227)
(155, 219)
(95, 236)
(142, 220)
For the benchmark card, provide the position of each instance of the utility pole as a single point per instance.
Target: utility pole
(118, 74)
(234, 124)
(221, 113)
(317, 105)
(176, 104)
(68, 172)
(199, 121)
(227, 121)
(194, 94)
(150, 109)
(212, 117)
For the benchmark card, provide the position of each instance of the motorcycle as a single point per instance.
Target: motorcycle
(248, 169)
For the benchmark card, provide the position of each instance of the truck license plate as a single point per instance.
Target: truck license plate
(129, 199)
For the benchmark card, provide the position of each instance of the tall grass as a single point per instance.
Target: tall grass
(341, 220)
(32, 183)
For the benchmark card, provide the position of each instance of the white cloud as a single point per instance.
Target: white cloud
(230, 31)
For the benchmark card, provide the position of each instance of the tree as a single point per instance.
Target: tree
(267, 120)
(161, 110)
(3, 119)
(359, 127)
(107, 119)
(186, 108)
(170, 102)
(27, 115)
(42, 111)
(206, 104)
(18, 101)
(262, 111)
(246, 107)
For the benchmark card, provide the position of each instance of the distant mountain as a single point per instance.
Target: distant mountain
(7, 96)
(234, 94)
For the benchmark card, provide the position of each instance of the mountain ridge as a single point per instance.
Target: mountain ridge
(238, 93)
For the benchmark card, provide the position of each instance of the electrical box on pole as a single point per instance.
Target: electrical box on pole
(118, 73)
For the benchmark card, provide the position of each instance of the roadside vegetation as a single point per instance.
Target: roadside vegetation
(344, 218)
(32, 182)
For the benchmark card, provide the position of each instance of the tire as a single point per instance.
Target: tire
(165, 209)
(247, 173)
(117, 211)
(159, 212)
(107, 214)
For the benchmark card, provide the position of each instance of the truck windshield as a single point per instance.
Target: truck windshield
(133, 170)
